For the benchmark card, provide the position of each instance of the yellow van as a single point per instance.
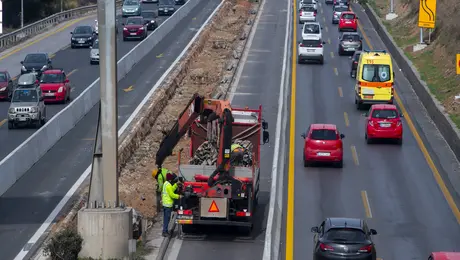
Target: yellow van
(374, 79)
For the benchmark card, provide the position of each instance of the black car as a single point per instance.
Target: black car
(354, 64)
(349, 42)
(343, 238)
(180, 2)
(166, 7)
(36, 63)
(82, 36)
(150, 19)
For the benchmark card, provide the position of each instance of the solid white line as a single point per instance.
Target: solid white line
(49, 220)
(273, 194)
(175, 249)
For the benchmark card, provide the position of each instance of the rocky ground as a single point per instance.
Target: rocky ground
(436, 63)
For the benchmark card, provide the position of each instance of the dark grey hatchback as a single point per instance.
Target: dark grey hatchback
(343, 238)
(349, 42)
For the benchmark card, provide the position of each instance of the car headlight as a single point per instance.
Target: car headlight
(12, 110)
(90, 38)
(171, 8)
(44, 67)
(34, 109)
(23, 68)
(153, 21)
(60, 89)
(3, 89)
(161, 8)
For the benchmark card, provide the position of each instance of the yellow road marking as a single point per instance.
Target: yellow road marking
(72, 72)
(160, 55)
(340, 91)
(52, 55)
(42, 38)
(367, 205)
(290, 182)
(2, 122)
(15, 78)
(332, 54)
(345, 117)
(354, 153)
(437, 176)
(130, 88)
(336, 71)
(329, 41)
(324, 19)
(321, 11)
(88, 139)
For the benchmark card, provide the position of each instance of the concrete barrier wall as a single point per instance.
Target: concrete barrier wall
(434, 108)
(19, 161)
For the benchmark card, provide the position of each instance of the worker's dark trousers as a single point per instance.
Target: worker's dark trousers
(166, 217)
(158, 202)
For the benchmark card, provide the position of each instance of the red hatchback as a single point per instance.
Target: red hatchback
(444, 256)
(384, 122)
(323, 143)
(55, 86)
(348, 21)
(135, 28)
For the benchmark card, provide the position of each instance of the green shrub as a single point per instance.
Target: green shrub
(65, 245)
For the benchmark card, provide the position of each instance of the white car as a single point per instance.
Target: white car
(307, 14)
(312, 29)
(311, 49)
(94, 53)
(308, 2)
(96, 27)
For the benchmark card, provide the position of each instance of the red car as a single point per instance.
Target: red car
(135, 28)
(323, 143)
(55, 86)
(384, 122)
(348, 21)
(6, 85)
(444, 256)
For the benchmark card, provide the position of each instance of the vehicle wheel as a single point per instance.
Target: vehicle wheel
(339, 164)
(358, 105)
(246, 230)
(124, 39)
(299, 61)
(353, 73)
(11, 125)
(306, 163)
(340, 52)
(72, 46)
(368, 140)
(91, 62)
(399, 141)
(321, 61)
(38, 124)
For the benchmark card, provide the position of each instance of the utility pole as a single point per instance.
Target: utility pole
(22, 13)
(391, 15)
(106, 226)
(1, 17)
(62, 6)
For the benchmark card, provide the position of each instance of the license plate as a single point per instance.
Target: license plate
(323, 154)
(385, 125)
(368, 92)
(22, 119)
(348, 22)
(133, 33)
(350, 49)
(369, 96)
(310, 50)
(81, 41)
(49, 94)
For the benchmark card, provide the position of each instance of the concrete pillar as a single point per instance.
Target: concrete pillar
(106, 232)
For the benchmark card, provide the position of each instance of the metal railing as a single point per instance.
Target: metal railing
(9, 39)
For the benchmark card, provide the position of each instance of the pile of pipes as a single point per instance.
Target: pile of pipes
(207, 154)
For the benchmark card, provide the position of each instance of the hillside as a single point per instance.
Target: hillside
(436, 63)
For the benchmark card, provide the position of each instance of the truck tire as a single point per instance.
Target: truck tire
(11, 125)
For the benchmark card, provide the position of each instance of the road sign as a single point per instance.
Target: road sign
(457, 64)
(213, 208)
(427, 14)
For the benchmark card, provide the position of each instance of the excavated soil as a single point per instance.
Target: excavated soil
(136, 182)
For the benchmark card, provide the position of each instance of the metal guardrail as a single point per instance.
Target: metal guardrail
(12, 38)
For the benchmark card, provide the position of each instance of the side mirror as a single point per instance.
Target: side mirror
(357, 18)
(299, 42)
(361, 38)
(342, 136)
(66, 81)
(303, 135)
(123, 24)
(401, 115)
(365, 114)
(41, 98)
(321, 27)
(314, 230)
(71, 32)
(264, 125)
(265, 137)
(22, 62)
(373, 232)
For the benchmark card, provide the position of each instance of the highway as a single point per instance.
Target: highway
(253, 89)
(393, 187)
(27, 204)
(76, 64)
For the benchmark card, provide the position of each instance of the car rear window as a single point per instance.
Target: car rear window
(311, 43)
(308, 8)
(384, 113)
(345, 234)
(340, 8)
(323, 134)
(348, 16)
(311, 28)
(350, 37)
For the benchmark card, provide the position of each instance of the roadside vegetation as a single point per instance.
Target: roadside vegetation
(435, 63)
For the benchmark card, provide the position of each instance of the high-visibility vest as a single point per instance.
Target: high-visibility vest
(235, 146)
(165, 195)
(161, 178)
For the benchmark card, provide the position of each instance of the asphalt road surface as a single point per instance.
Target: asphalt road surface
(390, 186)
(28, 203)
(259, 84)
(76, 64)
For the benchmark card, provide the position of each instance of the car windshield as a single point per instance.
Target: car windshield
(35, 58)
(323, 134)
(345, 235)
(52, 78)
(130, 2)
(340, 8)
(351, 38)
(348, 16)
(376, 72)
(134, 21)
(25, 95)
(311, 28)
(311, 43)
(83, 30)
(384, 114)
(148, 14)
(3, 77)
(308, 8)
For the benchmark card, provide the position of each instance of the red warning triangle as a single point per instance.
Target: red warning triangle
(213, 208)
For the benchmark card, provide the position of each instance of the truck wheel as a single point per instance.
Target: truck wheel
(11, 125)
(186, 229)
(306, 163)
(246, 230)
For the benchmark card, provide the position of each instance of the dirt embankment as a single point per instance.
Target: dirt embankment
(436, 63)
(204, 74)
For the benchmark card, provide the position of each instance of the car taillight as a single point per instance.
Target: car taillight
(301, 45)
(392, 91)
(371, 123)
(365, 249)
(320, 45)
(300, 13)
(314, 13)
(60, 89)
(243, 214)
(359, 90)
(355, 62)
(184, 212)
(325, 247)
(398, 123)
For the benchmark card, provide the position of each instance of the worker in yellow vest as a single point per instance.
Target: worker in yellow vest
(167, 197)
(160, 176)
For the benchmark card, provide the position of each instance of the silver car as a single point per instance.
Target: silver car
(94, 53)
(27, 108)
(131, 8)
(337, 11)
(307, 14)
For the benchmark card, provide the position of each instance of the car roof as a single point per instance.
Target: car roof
(26, 79)
(446, 255)
(138, 17)
(323, 126)
(53, 71)
(311, 23)
(345, 222)
(384, 106)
